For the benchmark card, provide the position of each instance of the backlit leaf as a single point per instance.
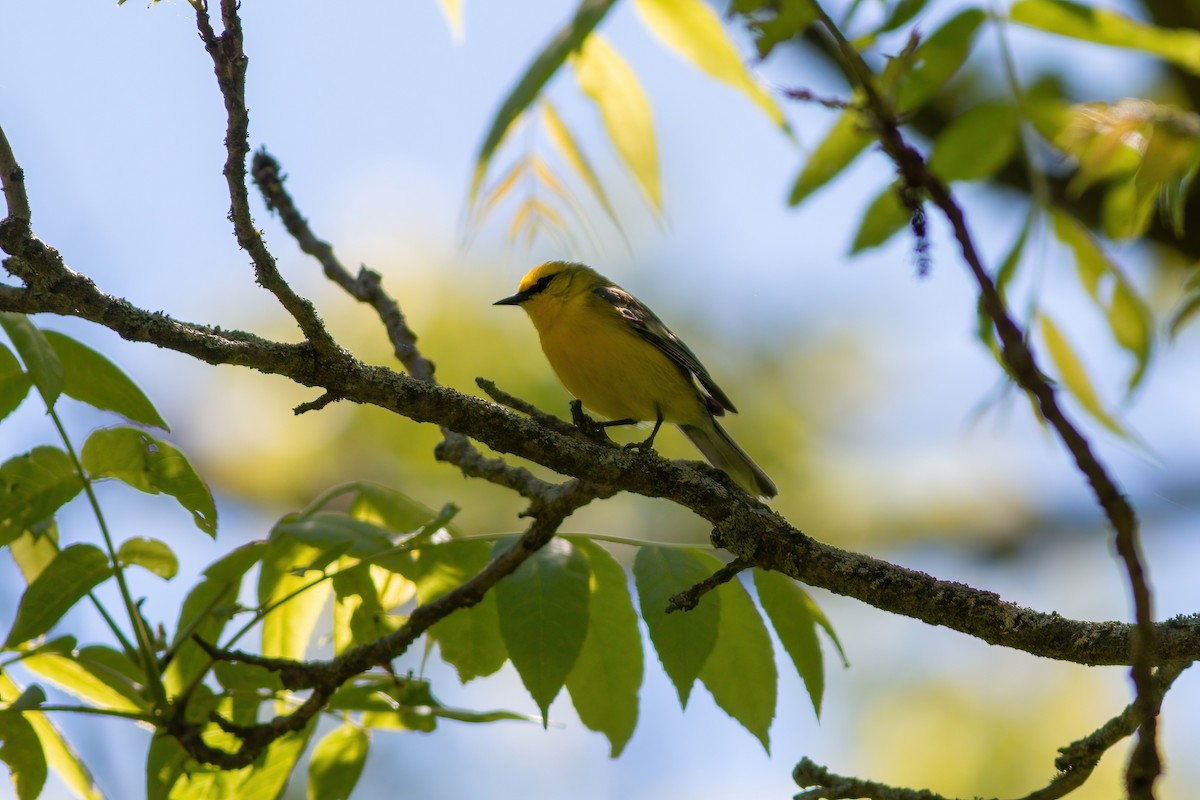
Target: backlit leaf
(606, 78)
(883, 218)
(1103, 26)
(73, 573)
(789, 608)
(149, 554)
(151, 465)
(692, 29)
(288, 627)
(564, 141)
(99, 675)
(1074, 376)
(976, 144)
(606, 678)
(683, 639)
(22, 751)
(33, 487)
(39, 357)
(937, 59)
(34, 549)
(587, 17)
(14, 382)
(452, 10)
(62, 759)
(740, 671)
(848, 137)
(91, 378)
(469, 639)
(543, 610)
(337, 763)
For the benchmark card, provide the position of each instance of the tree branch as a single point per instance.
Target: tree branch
(1145, 764)
(1075, 762)
(689, 598)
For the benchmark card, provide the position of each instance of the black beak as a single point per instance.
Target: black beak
(515, 300)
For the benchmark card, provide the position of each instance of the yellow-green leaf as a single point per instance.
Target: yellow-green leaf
(22, 751)
(884, 217)
(62, 759)
(150, 554)
(40, 359)
(606, 78)
(33, 486)
(337, 763)
(14, 382)
(91, 378)
(287, 628)
(73, 573)
(692, 29)
(563, 140)
(1102, 26)
(976, 144)
(1074, 376)
(587, 17)
(937, 59)
(100, 676)
(452, 10)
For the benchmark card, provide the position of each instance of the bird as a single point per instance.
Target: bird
(619, 360)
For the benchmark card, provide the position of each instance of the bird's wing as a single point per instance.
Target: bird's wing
(647, 325)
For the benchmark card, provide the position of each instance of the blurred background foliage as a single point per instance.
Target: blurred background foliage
(863, 394)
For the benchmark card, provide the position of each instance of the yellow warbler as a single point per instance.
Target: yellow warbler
(618, 358)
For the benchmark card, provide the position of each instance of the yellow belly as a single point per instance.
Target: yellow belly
(614, 371)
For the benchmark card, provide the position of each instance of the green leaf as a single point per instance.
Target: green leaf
(469, 639)
(22, 751)
(151, 465)
(791, 611)
(393, 510)
(14, 382)
(39, 357)
(902, 12)
(775, 23)
(607, 675)
(683, 639)
(1102, 26)
(985, 328)
(1129, 318)
(165, 764)
(587, 17)
(358, 614)
(1074, 376)
(268, 776)
(150, 554)
(543, 610)
(28, 700)
(205, 611)
(33, 487)
(91, 378)
(740, 671)
(606, 78)
(288, 627)
(883, 218)
(337, 762)
(62, 759)
(329, 529)
(69, 577)
(937, 59)
(100, 675)
(975, 145)
(34, 549)
(694, 31)
(848, 137)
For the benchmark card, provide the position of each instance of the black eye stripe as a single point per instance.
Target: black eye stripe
(541, 284)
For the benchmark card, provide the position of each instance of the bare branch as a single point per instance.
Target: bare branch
(229, 61)
(13, 177)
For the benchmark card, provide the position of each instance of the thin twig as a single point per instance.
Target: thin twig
(13, 177)
(229, 61)
(528, 409)
(689, 598)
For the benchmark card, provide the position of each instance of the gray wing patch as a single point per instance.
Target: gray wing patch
(647, 325)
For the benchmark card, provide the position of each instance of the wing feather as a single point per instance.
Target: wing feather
(647, 325)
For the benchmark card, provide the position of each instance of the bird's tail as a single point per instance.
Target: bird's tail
(725, 454)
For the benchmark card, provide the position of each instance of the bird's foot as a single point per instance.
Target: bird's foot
(593, 429)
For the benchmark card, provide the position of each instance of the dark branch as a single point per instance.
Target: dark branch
(1145, 764)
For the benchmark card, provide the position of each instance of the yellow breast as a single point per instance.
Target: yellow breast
(609, 367)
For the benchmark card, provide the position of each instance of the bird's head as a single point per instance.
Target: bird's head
(552, 284)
